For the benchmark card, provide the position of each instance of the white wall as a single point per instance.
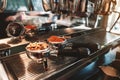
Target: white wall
(113, 16)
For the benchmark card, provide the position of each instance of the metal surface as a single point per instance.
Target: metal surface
(46, 5)
(69, 7)
(20, 67)
(15, 29)
(104, 7)
(23, 68)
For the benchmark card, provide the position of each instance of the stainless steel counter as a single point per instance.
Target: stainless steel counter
(19, 66)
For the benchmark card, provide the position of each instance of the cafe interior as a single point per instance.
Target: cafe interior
(59, 40)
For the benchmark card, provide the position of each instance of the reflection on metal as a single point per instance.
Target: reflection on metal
(15, 30)
(96, 22)
(81, 6)
(54, 5)
(69, 7)
(46, 5)
(104, 7)
(3, 4)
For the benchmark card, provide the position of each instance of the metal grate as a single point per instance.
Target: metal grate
(20, 67)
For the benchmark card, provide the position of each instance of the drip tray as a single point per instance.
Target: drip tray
(20, 67)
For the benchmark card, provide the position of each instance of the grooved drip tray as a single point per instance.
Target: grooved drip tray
(20, 67)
